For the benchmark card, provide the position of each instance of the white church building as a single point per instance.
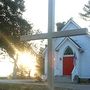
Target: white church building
(71, 54)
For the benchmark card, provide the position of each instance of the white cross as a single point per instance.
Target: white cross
(51, 34)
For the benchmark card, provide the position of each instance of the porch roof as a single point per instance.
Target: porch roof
(71, 41)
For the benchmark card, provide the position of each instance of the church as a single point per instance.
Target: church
(71, 54)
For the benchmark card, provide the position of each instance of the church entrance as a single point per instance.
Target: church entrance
(68, 64)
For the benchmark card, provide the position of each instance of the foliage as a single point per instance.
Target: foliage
(86, 14)
(23, 72)
(40, 66)
(12, 25)
(40, 61)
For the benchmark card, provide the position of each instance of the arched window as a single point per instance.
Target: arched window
(68, 51)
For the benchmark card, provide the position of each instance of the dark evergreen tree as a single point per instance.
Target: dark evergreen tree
(86, 14)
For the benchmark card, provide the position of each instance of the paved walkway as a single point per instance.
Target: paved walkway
(71, 86)
(66, 83)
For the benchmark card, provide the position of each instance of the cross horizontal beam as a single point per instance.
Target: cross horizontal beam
(66, 33)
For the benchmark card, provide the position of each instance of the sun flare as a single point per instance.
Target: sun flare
(28, 60)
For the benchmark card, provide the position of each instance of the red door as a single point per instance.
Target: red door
(67, 65)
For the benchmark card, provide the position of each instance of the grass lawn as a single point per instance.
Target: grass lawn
(22, 87)
(26, 87)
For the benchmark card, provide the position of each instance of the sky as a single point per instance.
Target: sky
(6, 67)
(37, 12)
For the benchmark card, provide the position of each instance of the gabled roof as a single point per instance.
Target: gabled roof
(71, 41)
(70, 25)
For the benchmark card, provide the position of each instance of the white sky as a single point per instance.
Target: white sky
(6, 68)
(37, 12)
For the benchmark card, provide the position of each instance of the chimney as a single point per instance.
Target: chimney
(60, 25)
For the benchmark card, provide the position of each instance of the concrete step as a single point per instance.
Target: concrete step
(62, 79)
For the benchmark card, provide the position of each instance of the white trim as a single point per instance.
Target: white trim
(71, 21)
(63, 41)
(67, 55)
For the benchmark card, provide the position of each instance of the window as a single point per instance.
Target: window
(68, 51)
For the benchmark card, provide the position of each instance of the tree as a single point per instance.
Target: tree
(40, 61)
(12, 26)
(86, 14)
(23, 72)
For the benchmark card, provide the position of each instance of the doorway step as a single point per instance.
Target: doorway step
(62, 79)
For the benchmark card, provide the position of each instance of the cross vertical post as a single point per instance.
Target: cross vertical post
(51, 22)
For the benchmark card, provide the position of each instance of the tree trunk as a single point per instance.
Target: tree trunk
(15, 68)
